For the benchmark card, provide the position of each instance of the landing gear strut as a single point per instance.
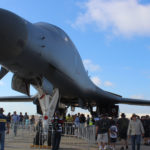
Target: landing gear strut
(47, 104)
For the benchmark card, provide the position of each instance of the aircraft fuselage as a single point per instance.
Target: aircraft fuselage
(39, 51)
(45, 50)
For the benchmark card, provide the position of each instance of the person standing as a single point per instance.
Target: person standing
(69, 123)
(15, 119)
(113, 134)
(123, 124)
(135, 130)
(146, 125)
(26, 120)
(77, 121)
(9, 118)
(32, 122)
(21, 119)
(3, 122)
(88, 120)
(56, 131)
(102, 128)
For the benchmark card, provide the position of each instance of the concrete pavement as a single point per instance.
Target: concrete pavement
(24, 140)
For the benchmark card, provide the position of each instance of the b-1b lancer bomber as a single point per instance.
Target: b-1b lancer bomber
(42, 55)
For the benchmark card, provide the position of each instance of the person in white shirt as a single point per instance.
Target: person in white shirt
(113, 134)
(135, 130)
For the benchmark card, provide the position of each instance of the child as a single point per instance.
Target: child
(113, 135)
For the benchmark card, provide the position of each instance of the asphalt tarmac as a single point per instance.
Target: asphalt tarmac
(24, 141)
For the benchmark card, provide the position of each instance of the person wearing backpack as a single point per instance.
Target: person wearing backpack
(122, 124)
(102, 128)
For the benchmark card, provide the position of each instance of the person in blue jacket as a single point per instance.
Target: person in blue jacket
(3, 122)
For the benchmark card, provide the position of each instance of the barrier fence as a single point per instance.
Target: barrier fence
(72, 136)
(80, 136)
(81, 131)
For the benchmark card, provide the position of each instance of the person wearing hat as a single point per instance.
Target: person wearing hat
(3, 122)
(135, 130)
(122, 124)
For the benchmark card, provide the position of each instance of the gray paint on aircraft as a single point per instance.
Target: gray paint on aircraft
(42, 50)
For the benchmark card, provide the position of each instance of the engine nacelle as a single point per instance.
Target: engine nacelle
(20, 85)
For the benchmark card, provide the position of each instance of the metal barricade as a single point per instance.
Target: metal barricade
(26, 133)
(81, 136)
(68, 128)
(78, 137)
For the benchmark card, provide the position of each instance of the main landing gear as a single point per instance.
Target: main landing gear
(110, 110)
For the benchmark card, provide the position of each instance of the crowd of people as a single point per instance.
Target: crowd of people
(108, 130)
(20, 118)
(13, 121)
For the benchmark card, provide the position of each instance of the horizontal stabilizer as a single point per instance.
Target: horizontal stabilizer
(135, 102)
(17, 99)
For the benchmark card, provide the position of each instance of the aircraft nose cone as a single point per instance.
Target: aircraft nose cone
(13, 35)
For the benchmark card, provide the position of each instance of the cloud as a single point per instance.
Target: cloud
(96, 80)
(138, 97)
(88, 64)
(95, 68)
(1, 83)
(125, 17)
(108, 83)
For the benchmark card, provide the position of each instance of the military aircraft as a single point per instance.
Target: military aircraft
(43, 55)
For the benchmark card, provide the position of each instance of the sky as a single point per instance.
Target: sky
(112, 37)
